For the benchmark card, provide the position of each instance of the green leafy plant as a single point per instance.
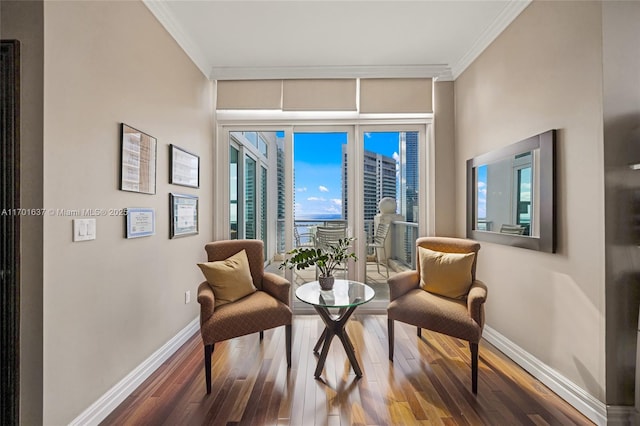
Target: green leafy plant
(326, 258)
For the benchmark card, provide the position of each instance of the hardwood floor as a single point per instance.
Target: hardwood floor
(429, 383)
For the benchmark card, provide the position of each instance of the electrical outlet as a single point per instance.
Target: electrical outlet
(187, 297)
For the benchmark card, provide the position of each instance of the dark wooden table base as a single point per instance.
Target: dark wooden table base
(335, 326)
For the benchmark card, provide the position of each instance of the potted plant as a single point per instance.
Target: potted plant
(326, 259)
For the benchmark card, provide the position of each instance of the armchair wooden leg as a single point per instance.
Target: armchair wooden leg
(419, 332)
(474, 367)
(208, 350)
(288, 339)
(390, 333)
(261, 335)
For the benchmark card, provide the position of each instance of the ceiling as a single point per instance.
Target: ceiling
(345, 38)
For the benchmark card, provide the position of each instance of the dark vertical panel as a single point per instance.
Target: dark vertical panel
(9, 228)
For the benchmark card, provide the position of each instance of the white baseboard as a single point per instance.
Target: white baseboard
(108, 402)
(582, 401)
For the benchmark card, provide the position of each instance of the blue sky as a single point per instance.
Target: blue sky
(481, 180)
(318, 169)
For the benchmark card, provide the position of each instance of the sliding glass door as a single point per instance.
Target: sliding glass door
(390, 206)
(287, 184)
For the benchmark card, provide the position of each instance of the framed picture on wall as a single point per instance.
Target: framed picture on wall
(137, 161)
(140, 222)
(183, 215)
(184, 167)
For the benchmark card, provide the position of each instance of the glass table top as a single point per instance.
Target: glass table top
(345, 293)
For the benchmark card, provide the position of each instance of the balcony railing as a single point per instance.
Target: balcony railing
(403, 237)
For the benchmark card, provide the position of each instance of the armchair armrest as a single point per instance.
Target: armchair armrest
(206, 299)
(475, 301)
(401, 283)
(276, 286)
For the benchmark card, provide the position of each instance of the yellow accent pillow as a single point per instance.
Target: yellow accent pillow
(230, 279)
(445, 274)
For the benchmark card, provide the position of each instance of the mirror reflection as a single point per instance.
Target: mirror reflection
(504, 194)
(510, 194)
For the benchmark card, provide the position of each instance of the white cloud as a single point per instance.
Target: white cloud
(316, 199)
(481, 185)
(303, 189)
(323, 188)
(336, 201)
(396, 156)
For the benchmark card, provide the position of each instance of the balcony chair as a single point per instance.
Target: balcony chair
(442, 294)
(378, 244)
(305, 239)
(239, 297)
(329, 235)
(335, 224)
(512, 229)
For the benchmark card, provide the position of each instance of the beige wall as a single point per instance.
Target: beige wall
(23, 21)
(545, 72)
(621, 38)
(110, 303)
(444, 132)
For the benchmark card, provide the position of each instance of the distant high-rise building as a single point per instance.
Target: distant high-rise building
(408, 181)
(281, 192)
(379, 181)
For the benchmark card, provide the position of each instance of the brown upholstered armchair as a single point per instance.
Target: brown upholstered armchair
(266, 308)
(461, 317)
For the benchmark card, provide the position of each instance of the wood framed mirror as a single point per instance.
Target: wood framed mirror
(511, 194)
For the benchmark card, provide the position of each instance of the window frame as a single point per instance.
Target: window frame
(359, 123)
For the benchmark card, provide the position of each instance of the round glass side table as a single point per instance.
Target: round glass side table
(346, 295)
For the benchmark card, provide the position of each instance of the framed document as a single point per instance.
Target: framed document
(141, 222)
(184, 167)
(184, 215)
(137, 161)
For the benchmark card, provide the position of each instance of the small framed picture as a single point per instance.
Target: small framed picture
(184, 215)
(137, 161)
(141, 222)
(184, 167)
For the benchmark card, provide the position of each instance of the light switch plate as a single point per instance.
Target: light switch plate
(84, 229)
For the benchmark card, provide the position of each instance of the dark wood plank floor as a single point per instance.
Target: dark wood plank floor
(429, 383)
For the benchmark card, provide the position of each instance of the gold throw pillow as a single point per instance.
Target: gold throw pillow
(445, 274)
(230, 279)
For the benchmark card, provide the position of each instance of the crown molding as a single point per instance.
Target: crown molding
(508, 14)
(439, 72)
(164, 15)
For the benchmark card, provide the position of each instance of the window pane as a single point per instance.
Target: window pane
(233, 193)
(249, 198)
(252, 137)
(319, 176)
(524, 199)
(263, 206)
(380, 176)
(319, 190)
(262, 145)
(280, 173)
(408, 181)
